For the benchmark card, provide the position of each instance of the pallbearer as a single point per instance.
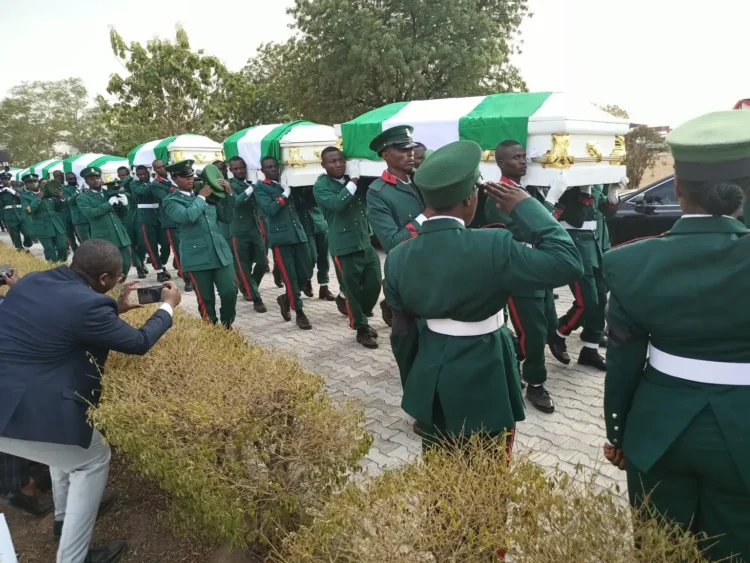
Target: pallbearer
(161, 187)
(65, 216)
(137, 250)
(81, 225)
(148, 226)
(43, 208)
(14, 216)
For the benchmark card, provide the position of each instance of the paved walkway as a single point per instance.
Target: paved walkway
(570, 438)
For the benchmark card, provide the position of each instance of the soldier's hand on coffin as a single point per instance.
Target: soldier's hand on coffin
(556, 189)
(506, 197)
(206, 191)
(586, 190)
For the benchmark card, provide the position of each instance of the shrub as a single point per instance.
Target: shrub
(451, 508)
(245, 440)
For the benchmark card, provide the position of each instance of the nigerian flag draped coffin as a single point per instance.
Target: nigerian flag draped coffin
(107, 163)
(560, 132)
(198, 148)
(45, 168)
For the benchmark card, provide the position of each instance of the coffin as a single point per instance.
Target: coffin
(562, 134)
(198, 148)
(108, 164)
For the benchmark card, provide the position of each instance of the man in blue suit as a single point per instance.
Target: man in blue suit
(57, 329)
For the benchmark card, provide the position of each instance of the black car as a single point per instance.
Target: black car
(645, 212)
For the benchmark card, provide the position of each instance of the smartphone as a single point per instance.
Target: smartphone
(150, 294)
(6, 269)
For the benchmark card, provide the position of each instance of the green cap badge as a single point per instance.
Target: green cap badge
(30, 178)
(182, 168)
(398, 137)
(91, 171)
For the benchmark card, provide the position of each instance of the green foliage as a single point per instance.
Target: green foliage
(643, 145)
(354, 55)
(615, 110)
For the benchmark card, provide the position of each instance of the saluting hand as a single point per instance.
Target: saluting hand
(123, 302)
(506, 197)
(615, 456)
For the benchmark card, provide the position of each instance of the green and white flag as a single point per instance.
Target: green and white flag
(21, 173)
(108, 164)
(147, 153)
(488, 120)
(45, 168)
(255, 143)
(182, 147)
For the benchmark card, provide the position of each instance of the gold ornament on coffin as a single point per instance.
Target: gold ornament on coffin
(559, 157)
(107, 178)
(295, 159)
(488, 156)
(340, 143)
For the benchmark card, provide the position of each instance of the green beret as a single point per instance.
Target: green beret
(449, 175)
(712, 148)
(398, 137)
(182, 168)
(30, 178)
(91, 171)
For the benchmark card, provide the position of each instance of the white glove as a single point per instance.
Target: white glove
(123, 199)
(613, 196)
(351, 187)
(249, 191)
(287, 191)
(352, 168)
(420, 218)
(11, 190)
(556, 189)
(586, 190)
(285, 184)
(113, 200)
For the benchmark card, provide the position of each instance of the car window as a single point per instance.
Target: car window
(662, 194)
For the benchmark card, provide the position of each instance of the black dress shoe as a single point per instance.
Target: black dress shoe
(148, 259)
(188, 286)
(259, 306)
(108, 500)
(387, 313)
(277, 277)
(555, 295)
(141, 273)
(325, 294)
(559, 349)
(30, 505)
(366, 339)
(591, 357)
(303, 322)
(341, 305)
(371, 331)
(307, 288)
(540, 398)
(369, 315)
(107, 553)
(283, 302)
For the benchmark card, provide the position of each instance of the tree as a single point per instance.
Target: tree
(643, 145)
(169, 90)
(351, 56)
(615, 110)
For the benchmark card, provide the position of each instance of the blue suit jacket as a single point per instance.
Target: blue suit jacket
(55, 335)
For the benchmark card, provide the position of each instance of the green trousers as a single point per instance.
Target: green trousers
(698, 485)
(70, 235)
(150, 238)
(127, 259)
(226, 286)
(532, 323)
(82, 231)
(295, 266)
(318, 245)
(16, 230)
(590, 302)
(172, 236)
(340, 279)
(250, 261)
(137, 251)
(55, 248)
(362, 279)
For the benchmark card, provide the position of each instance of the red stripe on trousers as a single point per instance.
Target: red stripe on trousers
(239, 267)
(200, 299)
(265, 240)
(282, 267)
(519, 326)
(348, 309)
(154, 259)
(580, 306)
(174, 251)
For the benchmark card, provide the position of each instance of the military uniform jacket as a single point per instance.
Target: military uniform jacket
(349, 230)
(606, 211)
(310, 215)
(129, 213)
(13, 210)
(475, 378)
(76, 216)
(144, 196)
(284, 226)
(45, 223)
(246, 220)
(392, 206)
(161, 188)
(576, 208)
(106, 221)
(202, 245)
(684, 293)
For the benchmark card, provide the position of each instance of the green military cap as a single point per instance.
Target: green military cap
(712, 148)
(428, 152)
(449, 174)
(30, 178)
(91, 171)
(398, 137)
(182, 168)
(5, 176)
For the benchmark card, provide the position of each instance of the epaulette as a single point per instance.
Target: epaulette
(377, 185)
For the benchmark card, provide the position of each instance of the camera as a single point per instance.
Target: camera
(7, 270)
(150, 294)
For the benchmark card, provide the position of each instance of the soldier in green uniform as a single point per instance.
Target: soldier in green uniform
(394, 204)
(678, 363)
(169, 237)
(147, 226)
(137, 250)
(105, 214)
(45, 222)
(532, 311)
(316, 229)
(248, 246)
(81, 226)
(64, 214)
(14, 216)
(223, 225)
(355, 258)
(204, 252)
(459, 372)
(287, 239)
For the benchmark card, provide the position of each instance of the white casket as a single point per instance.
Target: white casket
(199, 148)
(107, 163)
(562, 134)
(297, 146)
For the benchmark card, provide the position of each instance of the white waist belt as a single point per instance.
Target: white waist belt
(148, 206)
(587, 226)
(12, 207)
(449, 327)
(700, 371)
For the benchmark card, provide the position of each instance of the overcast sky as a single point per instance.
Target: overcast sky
(664, 61)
